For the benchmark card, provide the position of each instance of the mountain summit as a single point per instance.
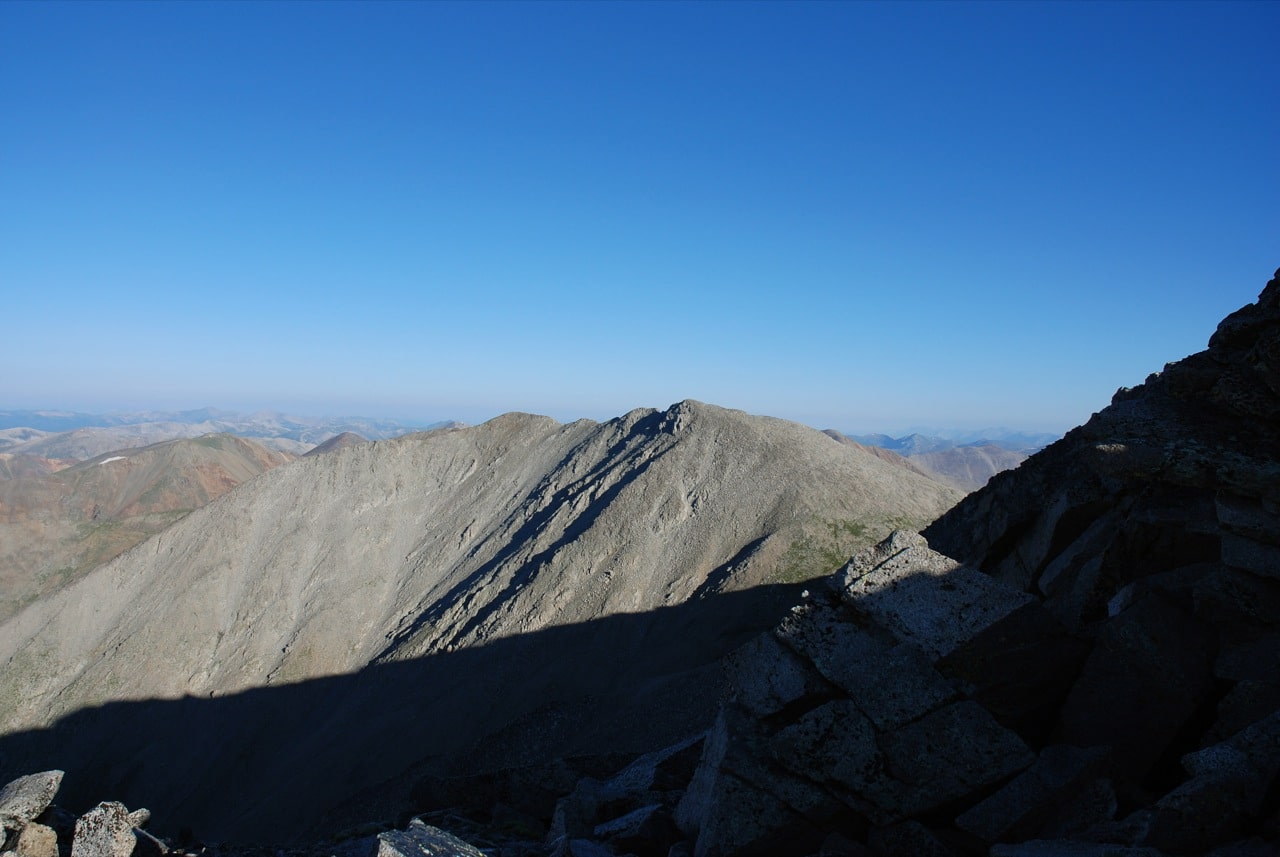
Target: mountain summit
(505, 594)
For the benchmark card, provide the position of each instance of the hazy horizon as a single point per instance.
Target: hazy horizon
(858, 216)
(424, 419)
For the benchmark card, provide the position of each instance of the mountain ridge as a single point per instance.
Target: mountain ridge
(453, 540)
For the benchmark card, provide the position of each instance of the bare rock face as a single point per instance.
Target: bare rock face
(873, 732)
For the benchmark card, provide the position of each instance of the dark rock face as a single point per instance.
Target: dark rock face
(1083, 659)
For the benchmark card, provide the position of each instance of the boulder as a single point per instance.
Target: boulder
(646, 832)
(26, 797)
(739, 798)
(1148, 674)
(104, 831)
(36, 840)
(891, 682)
(923, 597)
(1229, 783)
(767, 677)
(1019, 809)
(422, 840)
(1069, 848)
(957, 751)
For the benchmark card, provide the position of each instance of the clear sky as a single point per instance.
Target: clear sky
(858, 215)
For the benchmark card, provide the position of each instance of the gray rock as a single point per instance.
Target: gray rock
(1147, 675)
(1070, 580)
(738, 798)
(37, 840)
(1245, 704)
(581, 848)
(148, 845)
(140, 817)
(1254, 658)
(1228, 785)
(104, 831)
(1238, 601)
(1020, 807)
(907, 839)
(1252, 847)
(1019, 668)
(1249, 555)
(838, 845)
(646, 780)
(647, 832)
(1246, 516)
(923, 597)
(836, 743)
(1093, 806)
(766, 677)
(891, 682)
(1066, 848)
(952, 753)
(423, 840)
(26, 797)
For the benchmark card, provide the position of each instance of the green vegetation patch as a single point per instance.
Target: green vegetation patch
(825, 545)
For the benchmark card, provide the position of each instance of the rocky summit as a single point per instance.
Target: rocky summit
(354, 634)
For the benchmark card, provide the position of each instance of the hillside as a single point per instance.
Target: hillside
(57, 522)
(967, 467)
(506, 594)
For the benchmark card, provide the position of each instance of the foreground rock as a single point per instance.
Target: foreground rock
(111, 830)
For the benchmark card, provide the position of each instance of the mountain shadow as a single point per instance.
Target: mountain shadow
(281, 764)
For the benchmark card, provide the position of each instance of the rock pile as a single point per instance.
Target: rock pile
(31, 825)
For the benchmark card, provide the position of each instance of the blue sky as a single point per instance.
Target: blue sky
(858, 215)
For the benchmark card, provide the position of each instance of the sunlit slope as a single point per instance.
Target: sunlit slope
(57, 525)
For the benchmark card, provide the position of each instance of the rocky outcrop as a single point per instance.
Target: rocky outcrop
(1083, 658)
(338, 441)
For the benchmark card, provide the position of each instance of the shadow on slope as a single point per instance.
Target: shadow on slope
(276, 764)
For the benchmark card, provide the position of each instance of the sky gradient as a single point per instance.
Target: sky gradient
(856, 215)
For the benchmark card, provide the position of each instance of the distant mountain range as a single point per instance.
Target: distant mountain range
(960, 460)
(66, 434)
(938, 440)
